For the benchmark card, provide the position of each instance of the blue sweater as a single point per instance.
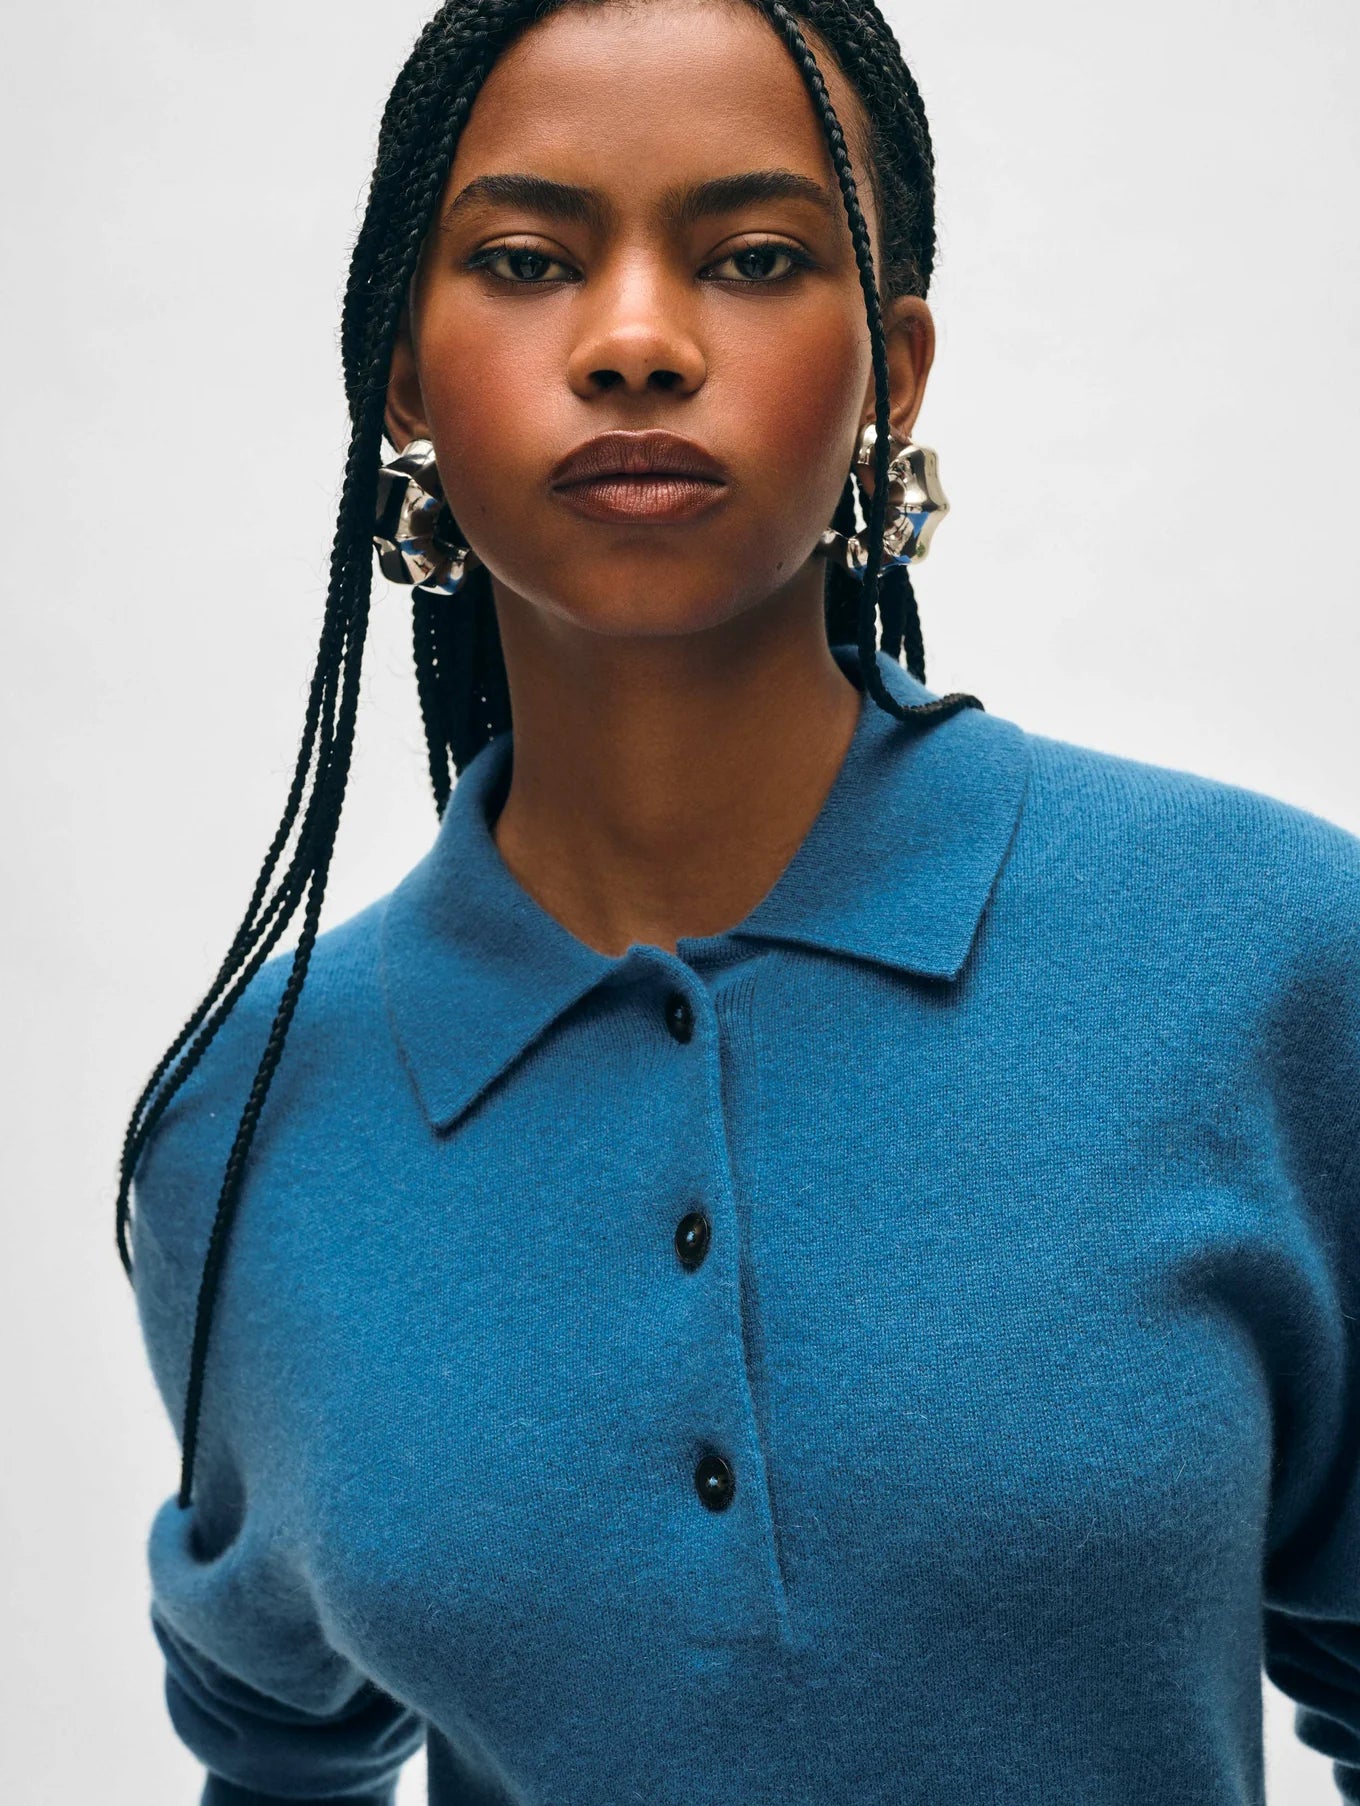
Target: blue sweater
(902, 1351)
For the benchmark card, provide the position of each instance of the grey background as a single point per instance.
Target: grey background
(1144, 403)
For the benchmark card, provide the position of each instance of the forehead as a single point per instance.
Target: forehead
(638, 93)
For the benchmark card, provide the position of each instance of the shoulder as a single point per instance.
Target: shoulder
(338, 1004)
(1181, 911)
(1168, 841)
(334, 996)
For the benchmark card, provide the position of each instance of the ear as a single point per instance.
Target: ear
(909, 338)
(404, 415)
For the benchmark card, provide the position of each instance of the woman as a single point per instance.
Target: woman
(809, 1251)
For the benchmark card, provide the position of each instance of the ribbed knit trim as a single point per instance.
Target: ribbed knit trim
(218, 1792)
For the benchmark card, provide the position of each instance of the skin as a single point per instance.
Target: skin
(678, 716)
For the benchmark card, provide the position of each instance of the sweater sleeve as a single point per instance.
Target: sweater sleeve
(1312, 1570)
(253, 1686)
(1312, 1585)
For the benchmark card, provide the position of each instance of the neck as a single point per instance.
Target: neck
(661, 785)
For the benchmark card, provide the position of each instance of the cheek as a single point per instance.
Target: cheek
(485, 401)
(800, 392)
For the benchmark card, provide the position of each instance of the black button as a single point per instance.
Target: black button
(692, 1234)
(679, 1016)
(714, 1482)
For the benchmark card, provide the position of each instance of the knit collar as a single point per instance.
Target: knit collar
(896, 869)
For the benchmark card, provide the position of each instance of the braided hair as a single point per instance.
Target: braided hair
(460, 671)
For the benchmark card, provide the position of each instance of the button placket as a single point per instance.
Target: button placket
(745, 1595)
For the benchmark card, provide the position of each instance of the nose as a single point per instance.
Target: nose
(638, 335)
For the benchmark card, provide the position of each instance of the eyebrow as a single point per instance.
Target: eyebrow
(684, 207)
(680, 207)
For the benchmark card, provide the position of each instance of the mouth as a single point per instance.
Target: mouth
(638, 477)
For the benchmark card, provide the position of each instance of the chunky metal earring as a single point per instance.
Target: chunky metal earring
(413, 528)
(916, 503)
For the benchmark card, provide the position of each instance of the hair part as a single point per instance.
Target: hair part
(461, 680)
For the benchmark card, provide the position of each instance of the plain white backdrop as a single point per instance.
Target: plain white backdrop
(1144, 402)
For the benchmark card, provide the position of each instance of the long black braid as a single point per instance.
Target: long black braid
(460, 671)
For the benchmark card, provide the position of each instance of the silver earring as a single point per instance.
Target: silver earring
(916, 503)
(406, 521)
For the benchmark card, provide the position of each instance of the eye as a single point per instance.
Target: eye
(520, 264)
(753, 264)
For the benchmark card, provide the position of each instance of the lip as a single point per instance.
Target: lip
(639, 476)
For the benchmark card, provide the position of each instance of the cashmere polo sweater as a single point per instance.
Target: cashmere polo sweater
(903, 1350)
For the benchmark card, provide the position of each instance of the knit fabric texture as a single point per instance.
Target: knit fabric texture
(934, 1380)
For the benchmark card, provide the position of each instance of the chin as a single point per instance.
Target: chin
(658, 602)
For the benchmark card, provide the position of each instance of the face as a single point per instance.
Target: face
(642, 232)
